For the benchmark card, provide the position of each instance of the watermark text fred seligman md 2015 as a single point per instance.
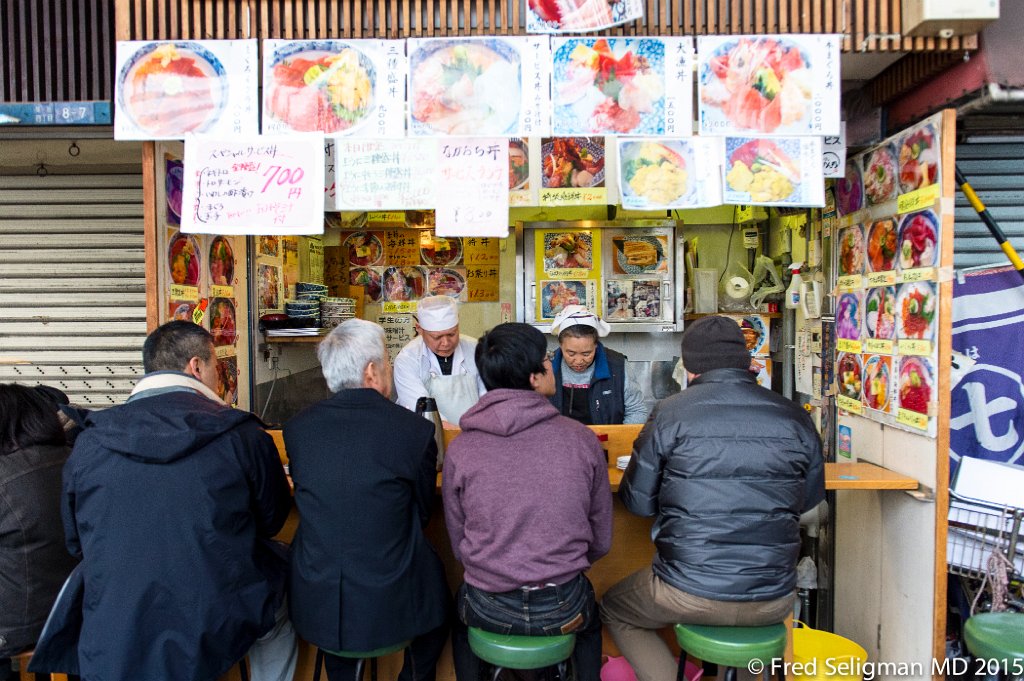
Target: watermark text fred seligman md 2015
(852, 667)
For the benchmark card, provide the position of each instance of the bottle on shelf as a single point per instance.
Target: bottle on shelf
(793, 292)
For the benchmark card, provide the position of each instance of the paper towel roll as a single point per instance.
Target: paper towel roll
(737, 287)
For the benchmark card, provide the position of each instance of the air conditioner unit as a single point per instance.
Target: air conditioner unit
(947, 18)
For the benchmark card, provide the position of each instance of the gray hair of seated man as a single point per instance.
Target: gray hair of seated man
(346, 352)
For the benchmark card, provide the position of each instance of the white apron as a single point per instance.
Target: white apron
(454, 394)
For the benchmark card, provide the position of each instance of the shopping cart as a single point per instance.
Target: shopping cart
(984, 547)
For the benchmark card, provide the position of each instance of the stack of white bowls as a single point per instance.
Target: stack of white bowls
(334, 311)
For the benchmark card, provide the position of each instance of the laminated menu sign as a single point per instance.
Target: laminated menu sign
(479, 86)
(338, 87)
(263, 185)
(670, 173)
(577, 16)
(773, 172)
(168, 89)
(472, 181)
(376, 174)
(768, 85)
(622, 86)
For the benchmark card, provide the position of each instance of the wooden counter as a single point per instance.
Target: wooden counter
(632, 548)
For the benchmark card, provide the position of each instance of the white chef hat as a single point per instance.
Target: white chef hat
(438, 313)
(572, 315)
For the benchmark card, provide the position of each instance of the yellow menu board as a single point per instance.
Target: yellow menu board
(567, 263)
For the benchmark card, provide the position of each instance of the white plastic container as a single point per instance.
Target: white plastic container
(793, 292)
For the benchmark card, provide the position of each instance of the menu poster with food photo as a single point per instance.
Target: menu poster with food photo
(227, 380)
(849, 380)
(338, 87)
(447, 281)
(756, 333)
(478, 86)
(773, 172)
(879, 171)
(523, 175)
(472, 187)
(579, 16)
(261, 185)
(184, 267)
(270, 288)
(385, 174)
(555, 296)
(173, 179)
(916, 394)
(567, 254)
(622, 86)
(762, 367)
(850, 188)
(401, 284)
(223, 325)
(682, 173)
(850, 263)
(918, 156)
(918, 245)
(168, 89)
(640, 254)
(768, 85)
(849, 321)
(878, 384)
(573, 171)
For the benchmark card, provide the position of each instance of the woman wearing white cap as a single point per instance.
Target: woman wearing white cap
(592, 385)
(439, 362)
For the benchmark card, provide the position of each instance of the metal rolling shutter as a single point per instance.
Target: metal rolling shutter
(996, 171)
(72, 284)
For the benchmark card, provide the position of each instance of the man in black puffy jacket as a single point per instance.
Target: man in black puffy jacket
(726, 468)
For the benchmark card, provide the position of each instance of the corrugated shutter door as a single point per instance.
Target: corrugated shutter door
(996, 172)
(72, 284)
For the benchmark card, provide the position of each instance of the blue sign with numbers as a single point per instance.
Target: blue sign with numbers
(56, 113)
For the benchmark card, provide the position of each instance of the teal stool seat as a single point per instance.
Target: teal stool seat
(997, 636)
(509, 651)
(371, 655)
(732, 647)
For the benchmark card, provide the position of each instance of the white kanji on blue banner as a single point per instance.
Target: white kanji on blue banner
(987, 413)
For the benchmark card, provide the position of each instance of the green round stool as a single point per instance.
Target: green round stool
(997, 637)
(370, 655)
(732, 647)
(509, 651)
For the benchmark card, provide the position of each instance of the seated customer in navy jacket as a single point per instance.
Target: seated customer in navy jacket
(363, 574)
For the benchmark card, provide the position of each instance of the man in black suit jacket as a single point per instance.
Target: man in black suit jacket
(363, 574)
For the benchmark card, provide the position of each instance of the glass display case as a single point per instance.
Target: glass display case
(628, 272)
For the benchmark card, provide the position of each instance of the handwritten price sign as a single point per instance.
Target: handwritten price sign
(472, 181)
(264, 185)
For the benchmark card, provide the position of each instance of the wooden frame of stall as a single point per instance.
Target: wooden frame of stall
(868, 25)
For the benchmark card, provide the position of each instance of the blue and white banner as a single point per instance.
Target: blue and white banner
(987, 414)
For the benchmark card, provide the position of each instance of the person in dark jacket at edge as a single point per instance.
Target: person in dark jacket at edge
(528, 507)
(33, 560)
(364, 575)
(726, 468)
(171, 500)
(592, 384)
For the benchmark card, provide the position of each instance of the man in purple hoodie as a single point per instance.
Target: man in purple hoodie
(528, 506)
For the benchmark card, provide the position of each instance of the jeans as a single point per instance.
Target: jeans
(549, 611)
(420, 659)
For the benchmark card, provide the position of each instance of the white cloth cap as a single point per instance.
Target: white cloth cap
(438, 313)
(572, 315)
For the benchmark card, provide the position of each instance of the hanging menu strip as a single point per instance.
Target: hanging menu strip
(263, 185)
(376, 174)
(877, 346)
(850, 282)
(847, 345)
(921, 348)
(920, 274)
(881, 279)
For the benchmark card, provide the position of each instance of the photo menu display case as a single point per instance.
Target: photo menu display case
(628, 272)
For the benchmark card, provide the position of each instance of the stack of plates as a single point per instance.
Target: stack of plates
(334, 311)
(306, 310)
(623, 461)
(310, 290)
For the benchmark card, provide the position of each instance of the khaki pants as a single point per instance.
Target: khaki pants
(634, 609)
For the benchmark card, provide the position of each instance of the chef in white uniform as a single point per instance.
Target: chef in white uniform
(439, 362)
